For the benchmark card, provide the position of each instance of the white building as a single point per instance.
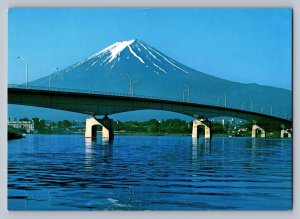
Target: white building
(27, 125)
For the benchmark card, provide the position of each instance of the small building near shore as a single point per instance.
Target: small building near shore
(27, 125)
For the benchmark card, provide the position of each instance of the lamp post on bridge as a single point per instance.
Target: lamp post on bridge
(244, 104)
(225, 99)
(131, 83)
(271, 108)
(219, 99)
(132, 89)
(20, 57)
(188, 92)
(50, 76)
(262, 108)
(247, 101)
(251, 102)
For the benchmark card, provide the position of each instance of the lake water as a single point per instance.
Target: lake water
(69, 172)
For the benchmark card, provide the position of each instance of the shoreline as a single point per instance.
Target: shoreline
(134, 134)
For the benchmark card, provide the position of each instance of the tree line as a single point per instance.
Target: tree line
(152, 126)
(169, 126)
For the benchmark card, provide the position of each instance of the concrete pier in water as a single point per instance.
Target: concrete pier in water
(196, 123)
(91, 127)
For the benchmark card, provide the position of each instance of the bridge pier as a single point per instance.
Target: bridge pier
(91, 127)
(195, 133)
(285, 133)
(254, 131)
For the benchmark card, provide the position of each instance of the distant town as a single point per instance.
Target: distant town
(223, 127)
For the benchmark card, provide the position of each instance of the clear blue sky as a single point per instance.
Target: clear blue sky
(244, 45)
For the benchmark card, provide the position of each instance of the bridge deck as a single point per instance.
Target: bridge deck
(101, 103)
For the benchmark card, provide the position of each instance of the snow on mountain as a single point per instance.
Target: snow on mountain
(115, 50)
(134, 49)
(160, 76)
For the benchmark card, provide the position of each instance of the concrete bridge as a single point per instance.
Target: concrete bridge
(95, 103)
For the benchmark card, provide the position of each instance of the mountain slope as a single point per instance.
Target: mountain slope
(161, 76)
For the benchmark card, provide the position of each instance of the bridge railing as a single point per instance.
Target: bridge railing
(82, 91)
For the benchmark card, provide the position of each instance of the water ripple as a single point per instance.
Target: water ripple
(65, 172)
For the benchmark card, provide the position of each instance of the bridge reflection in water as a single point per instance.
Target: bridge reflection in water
(96, 151)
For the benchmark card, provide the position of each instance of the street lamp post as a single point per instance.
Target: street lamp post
(219, 99)
(247, 101)
(262, 108)
(244, 104)
(225, 99)
(251, 102)
(188, 92)
(183, 94)
(50, 77)
(131, 83)
(132, 88)
(20, 57)
(271, 108)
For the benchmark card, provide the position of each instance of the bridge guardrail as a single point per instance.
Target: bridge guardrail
(80, 91)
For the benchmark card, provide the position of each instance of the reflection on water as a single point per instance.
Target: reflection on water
(88, 153)
(200, 147)
(253, 142)
(69, 172)
(95, 150)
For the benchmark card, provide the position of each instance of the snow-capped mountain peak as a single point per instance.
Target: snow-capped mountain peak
(159, 76)
(129, 54)
(115, 49)
(137, 50)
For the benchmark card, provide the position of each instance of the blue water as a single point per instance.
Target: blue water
(68, 172)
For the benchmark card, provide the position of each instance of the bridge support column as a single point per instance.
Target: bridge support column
(91, 127)
(254, 131)
(195, 133)
(285, 132)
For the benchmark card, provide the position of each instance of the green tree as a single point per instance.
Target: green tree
(64, 124)
(24, 119)
(217, 128)
(40, 125)
(152, 126)
(152, 129)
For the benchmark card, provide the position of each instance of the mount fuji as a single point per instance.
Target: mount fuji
(104, 71)
(162, 76)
